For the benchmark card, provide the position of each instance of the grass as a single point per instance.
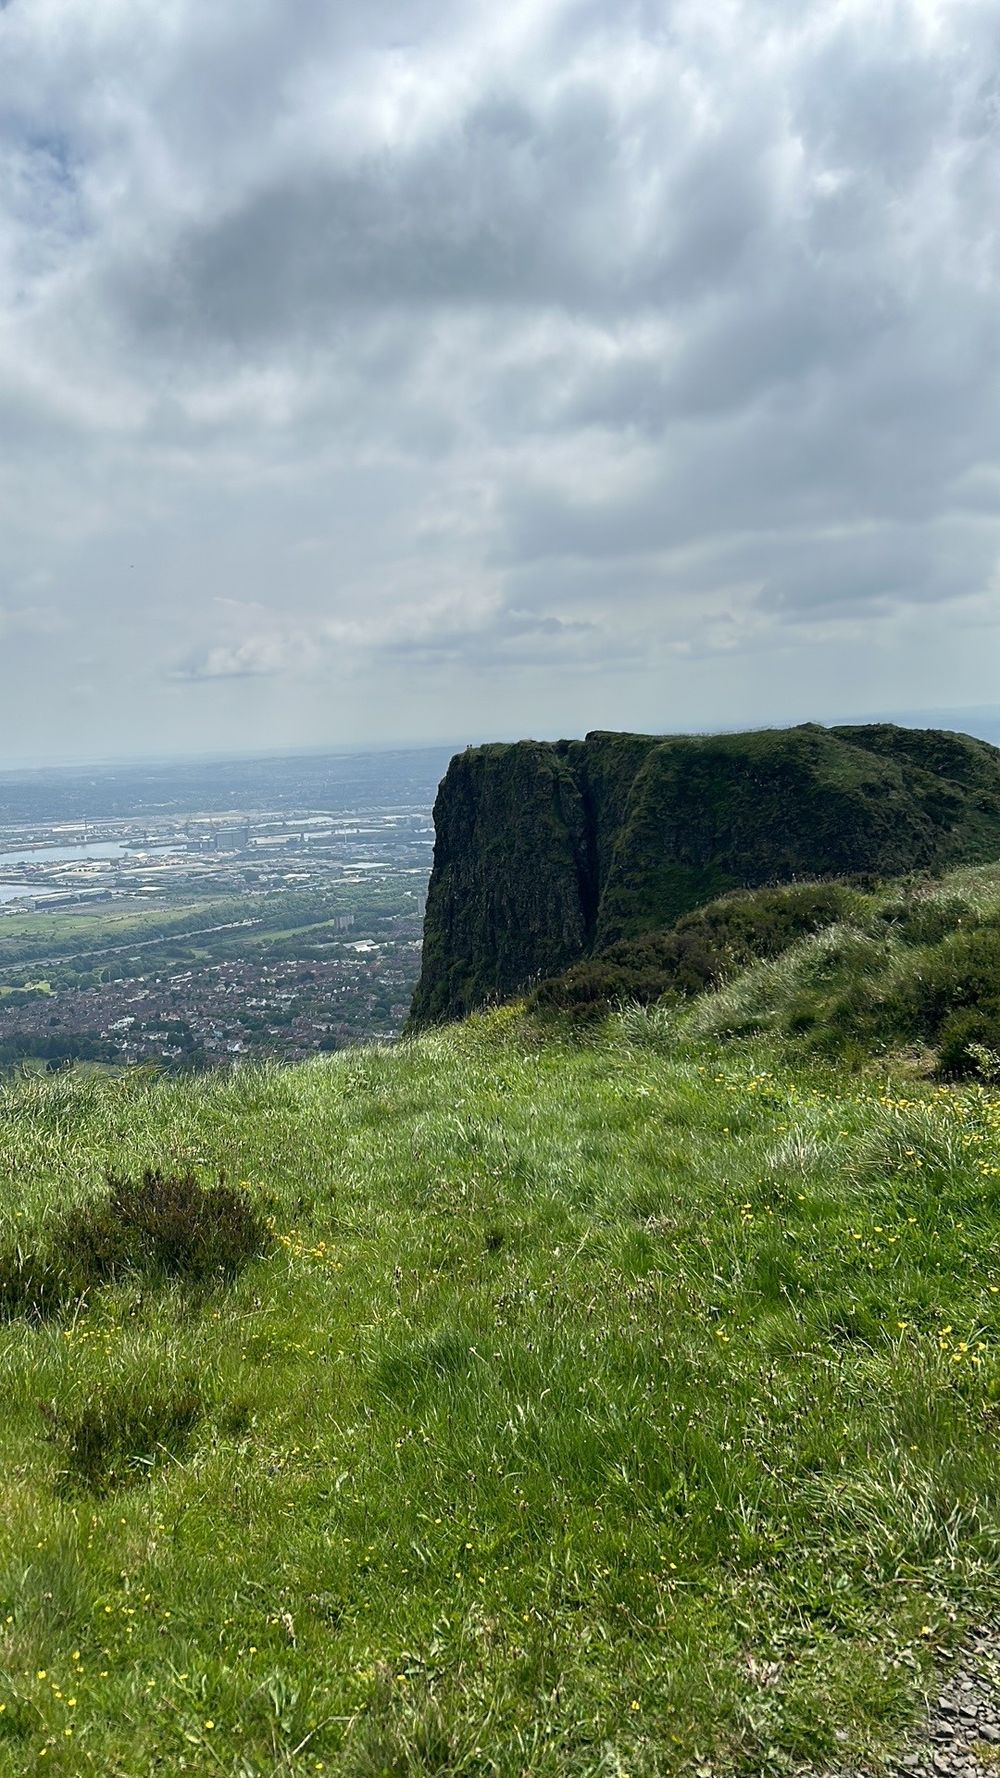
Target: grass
(828, 967)
(38, 929)
(158, 1227)
(602, 1407)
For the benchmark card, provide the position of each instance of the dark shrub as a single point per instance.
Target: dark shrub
(757, 924)
(165, 1225)
(699, 952)
(31, 1284)
(967, 1042)
(960, 974)
(121, 1437)
(627, 972)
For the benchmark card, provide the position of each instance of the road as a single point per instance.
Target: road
(137, 944)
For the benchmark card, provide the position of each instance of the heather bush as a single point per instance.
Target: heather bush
(118, 1437)
(161, 1226)
(700, 952)
(167, 1223)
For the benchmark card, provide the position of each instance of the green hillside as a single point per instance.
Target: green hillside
(550, 852)
(597, 1405)
(909, 968)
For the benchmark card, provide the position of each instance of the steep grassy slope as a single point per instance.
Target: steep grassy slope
(546, 853)
(910, 969)
(703, 949)
(599, 1409)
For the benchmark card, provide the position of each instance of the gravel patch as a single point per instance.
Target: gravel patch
(961, 1738)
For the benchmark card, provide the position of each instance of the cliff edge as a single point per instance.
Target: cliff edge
(548, 851)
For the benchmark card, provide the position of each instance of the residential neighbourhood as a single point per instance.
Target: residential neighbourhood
(196, 937)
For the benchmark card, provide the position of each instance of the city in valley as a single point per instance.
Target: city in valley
(195, 915)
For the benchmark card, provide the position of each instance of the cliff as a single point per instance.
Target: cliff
(546, 852)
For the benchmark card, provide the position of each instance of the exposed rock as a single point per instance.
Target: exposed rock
(959, 1738)
(547, 852)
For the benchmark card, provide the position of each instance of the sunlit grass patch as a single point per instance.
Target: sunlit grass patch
(595, 1407)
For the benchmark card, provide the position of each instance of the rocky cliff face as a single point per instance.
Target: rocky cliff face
(548, 851)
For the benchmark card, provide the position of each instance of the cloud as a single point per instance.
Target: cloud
(554, 345)
(441, 632)
(256, 657)
(28, 620)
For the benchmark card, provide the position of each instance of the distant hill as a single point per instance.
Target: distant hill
(550, 852)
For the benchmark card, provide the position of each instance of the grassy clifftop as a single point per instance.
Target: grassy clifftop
(548, 852)
(910, 968)
(614, 1406)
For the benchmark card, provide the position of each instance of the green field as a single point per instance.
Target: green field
(125, 936)
(602, 1407)
(83, 930)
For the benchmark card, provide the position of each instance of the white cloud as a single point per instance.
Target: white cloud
(555, 344)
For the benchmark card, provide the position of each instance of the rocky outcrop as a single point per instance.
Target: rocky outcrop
(548, 851)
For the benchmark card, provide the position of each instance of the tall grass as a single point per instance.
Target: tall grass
(601, 1408)
(916, 968)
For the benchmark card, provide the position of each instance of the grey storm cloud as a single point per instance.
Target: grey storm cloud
(536, 363)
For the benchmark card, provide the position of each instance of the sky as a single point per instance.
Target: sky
(430, 370)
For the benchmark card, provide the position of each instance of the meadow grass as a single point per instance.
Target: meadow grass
(602, 1406)
(911, 966)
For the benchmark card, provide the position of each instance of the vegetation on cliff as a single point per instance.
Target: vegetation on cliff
(614, 1404)
(547, 853)
(829, 968)
(700, 951)
(510, 877)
